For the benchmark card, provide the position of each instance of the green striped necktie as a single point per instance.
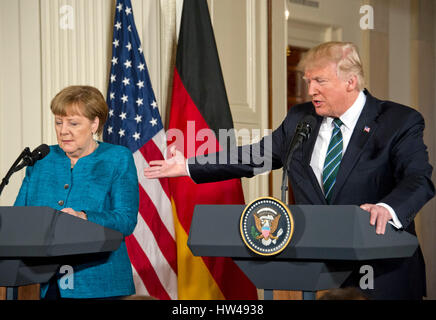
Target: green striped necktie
(332, 160)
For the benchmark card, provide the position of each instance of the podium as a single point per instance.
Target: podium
(36, 241)
(327, 243)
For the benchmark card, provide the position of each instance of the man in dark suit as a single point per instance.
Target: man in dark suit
(362, 151)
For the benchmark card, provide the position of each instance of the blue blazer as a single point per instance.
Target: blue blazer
(104, 184)
(387, 164)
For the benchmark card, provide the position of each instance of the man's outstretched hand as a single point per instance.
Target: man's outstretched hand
(173, 167)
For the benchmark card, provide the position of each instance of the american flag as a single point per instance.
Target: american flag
(134, 121)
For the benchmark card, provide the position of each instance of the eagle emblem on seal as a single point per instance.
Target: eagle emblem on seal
(267, 221)
(266, 226)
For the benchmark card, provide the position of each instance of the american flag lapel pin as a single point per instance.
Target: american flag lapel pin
(367, 129)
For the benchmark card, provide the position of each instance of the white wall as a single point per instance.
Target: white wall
(20, 83)
(399, 58)
(332, 20)
(240, 29)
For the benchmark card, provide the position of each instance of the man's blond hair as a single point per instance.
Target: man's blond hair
(344, 54)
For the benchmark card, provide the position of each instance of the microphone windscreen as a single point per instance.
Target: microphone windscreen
(40, 152)
(309, 120)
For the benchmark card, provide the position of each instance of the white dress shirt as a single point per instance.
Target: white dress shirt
(349, 120)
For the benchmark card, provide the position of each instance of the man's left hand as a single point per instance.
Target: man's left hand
(379, 216)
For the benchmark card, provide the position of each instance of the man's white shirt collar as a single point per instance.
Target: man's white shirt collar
(350, 117)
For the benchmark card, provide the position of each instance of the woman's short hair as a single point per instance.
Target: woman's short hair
(82, 100)
(344, 54)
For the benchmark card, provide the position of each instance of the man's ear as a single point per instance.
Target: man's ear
(352, 83)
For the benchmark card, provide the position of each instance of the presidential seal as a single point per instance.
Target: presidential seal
(266, 226)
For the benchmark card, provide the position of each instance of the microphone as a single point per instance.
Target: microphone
(29, 159)
(301, 134)
(39, 153)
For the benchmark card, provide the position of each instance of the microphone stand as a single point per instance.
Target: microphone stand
(301, 134)
(284, 186)
(25, 153)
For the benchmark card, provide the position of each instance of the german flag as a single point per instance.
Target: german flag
(199, 103)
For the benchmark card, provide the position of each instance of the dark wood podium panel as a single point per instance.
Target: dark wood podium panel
(30, 292)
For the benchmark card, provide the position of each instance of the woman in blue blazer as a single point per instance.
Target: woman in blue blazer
(92, 180)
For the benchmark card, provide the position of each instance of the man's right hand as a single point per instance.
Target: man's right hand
(173, 167)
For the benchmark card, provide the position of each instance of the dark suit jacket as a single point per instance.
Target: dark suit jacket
(387, 164)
